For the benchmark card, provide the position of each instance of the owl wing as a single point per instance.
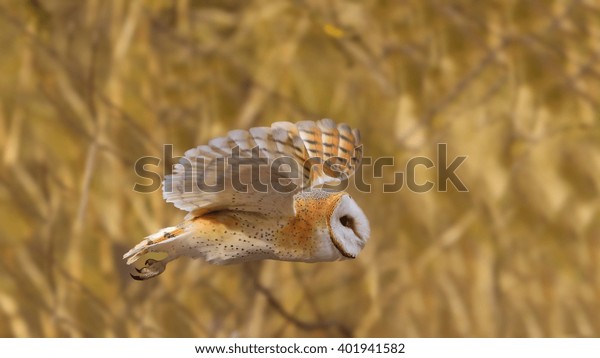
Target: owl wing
(261, 169)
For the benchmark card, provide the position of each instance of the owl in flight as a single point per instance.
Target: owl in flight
(263, 193)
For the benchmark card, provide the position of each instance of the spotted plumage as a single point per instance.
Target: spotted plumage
(260, 212)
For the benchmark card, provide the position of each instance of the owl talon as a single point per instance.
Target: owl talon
(150, 262)
(153, 268)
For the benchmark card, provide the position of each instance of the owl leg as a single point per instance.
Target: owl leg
(151, 269)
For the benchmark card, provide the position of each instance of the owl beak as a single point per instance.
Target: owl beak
(340, 248)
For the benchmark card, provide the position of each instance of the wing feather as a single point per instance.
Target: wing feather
(322, 151)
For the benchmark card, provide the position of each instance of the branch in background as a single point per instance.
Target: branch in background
(307, 326)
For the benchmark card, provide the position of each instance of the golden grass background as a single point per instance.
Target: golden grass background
(88, 87)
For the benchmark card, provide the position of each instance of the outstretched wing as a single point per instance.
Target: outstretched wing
(261, 169)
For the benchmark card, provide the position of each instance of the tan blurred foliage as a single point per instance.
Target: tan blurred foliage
(88, 87)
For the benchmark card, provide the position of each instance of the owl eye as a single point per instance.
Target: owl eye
(347, 221)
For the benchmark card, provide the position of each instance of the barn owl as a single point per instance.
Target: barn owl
(266, 211)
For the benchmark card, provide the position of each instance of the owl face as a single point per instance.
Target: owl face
(348, 227)
(326, 226)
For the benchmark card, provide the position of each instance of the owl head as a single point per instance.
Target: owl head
(348, 227)
(337, 223)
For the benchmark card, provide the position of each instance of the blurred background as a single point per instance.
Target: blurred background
(89, 87)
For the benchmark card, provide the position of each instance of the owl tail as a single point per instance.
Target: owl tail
(164, 241)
